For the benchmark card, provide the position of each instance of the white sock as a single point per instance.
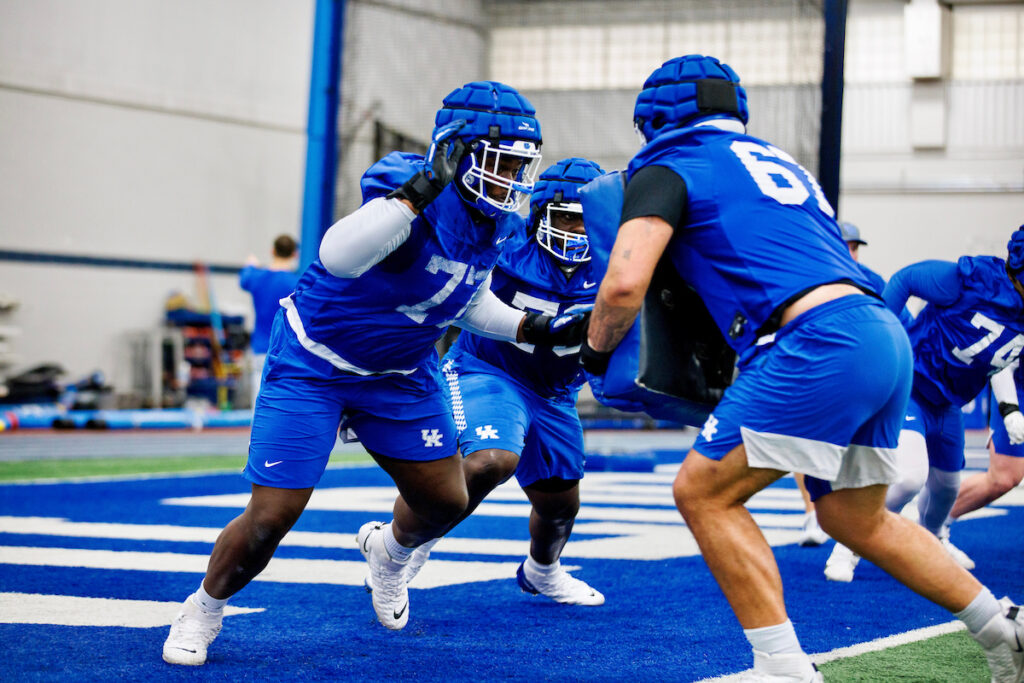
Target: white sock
(209, 604)
(398, 552)
(982, 608)
(535, 568)
(774, 640)
(429, 545)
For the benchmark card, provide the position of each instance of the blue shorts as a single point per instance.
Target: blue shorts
(493, 410)
(1000, 439)
(303, 400)
(942, 429)
(827, 398)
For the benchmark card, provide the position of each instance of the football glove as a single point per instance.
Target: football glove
(445, 154)
(562, 330)
(593, 361)
(1013, 420)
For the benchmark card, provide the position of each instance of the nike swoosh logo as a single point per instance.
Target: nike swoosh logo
(588, 285)
(497, 242)
(267, 463)
(910, 418)
(366, 548)
(399, 613)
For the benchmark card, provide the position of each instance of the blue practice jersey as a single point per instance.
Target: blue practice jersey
(267, 287)
(528, 278)
(876, 280)
(388, 318)
(972, 327)
(757, 229)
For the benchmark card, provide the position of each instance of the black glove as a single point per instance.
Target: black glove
(562, 330)
(594, 362)
(443, 158)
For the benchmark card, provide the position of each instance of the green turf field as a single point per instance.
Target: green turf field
(956, 655)
(103, 467)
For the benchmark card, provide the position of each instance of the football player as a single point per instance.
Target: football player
(751, 231)
(971, 328)
(515, 404)
(354, 346)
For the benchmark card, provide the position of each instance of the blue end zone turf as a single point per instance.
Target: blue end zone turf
(664, 618)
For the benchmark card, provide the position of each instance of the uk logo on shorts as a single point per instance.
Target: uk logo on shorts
(710, 428)
(486, 432)
(431, 438)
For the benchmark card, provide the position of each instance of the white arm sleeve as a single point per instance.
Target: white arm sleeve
(1003, 386)
(362, 239)
(490, 317)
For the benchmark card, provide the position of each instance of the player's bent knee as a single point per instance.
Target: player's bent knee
(1004, 482)
(492, 465)
(444, 508)
(687, 493)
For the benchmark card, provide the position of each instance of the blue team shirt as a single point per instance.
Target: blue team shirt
(527, 277)
(267, 287)
(388, 318)
(972, 326)
(758, 229)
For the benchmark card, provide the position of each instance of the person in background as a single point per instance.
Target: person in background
(268, 286)
(353, 348)
(751, 231)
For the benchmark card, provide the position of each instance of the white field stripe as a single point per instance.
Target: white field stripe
(70, 610)
(280, 570)
(862, 648)
(623, 540)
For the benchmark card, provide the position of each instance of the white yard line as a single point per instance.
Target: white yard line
(71, 610)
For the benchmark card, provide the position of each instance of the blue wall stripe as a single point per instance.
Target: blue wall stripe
(106, 262)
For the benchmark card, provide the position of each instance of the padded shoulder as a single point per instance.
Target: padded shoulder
(388, 174)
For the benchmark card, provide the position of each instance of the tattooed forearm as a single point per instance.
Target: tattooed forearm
(609, 324)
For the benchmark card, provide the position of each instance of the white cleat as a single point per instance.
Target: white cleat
(811, 534)
(560, 587)
(962, 558)
(418, 558)
(386, 579)
(192, 631)
(1002, 638)
(840, 564)
(782, 668)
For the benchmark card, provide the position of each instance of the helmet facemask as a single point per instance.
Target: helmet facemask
(500, 174)
(565, 245)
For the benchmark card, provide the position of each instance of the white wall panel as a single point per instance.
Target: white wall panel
(91, 179)
(78, 316)
(906, 227)
(241, 59)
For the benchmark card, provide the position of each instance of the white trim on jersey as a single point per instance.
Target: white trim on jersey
(458, 408)
(321, 351)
